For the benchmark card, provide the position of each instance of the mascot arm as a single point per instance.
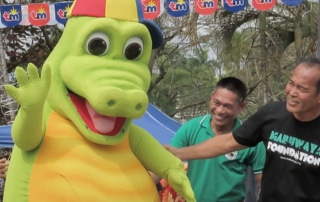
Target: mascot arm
(28, 128)
(161, 162)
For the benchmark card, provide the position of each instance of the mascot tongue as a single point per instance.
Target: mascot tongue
(98, 123)
(104, 124)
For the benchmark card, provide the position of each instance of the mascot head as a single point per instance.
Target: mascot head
(100, 67)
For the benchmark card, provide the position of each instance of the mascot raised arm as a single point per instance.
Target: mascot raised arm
(73, 134)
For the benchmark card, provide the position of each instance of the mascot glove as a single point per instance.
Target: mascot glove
(180, 183)
(33, 90)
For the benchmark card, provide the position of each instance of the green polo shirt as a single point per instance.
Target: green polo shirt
(220, 179)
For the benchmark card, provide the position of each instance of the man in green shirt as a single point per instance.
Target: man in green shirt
(220, 179)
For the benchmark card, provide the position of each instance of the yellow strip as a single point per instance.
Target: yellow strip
(113, 10)
(71, 9)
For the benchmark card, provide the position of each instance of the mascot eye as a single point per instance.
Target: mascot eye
(98, 44)
(133, 48)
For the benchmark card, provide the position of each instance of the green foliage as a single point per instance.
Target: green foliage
(187, 85)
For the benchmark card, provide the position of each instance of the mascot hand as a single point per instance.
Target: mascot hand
(181, 184)
(32, 90)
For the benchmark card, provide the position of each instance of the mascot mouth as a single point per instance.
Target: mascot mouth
(98, 123)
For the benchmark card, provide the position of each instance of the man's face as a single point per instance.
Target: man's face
(224, 107)
(302, 98)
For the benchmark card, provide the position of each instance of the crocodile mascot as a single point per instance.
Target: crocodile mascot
(74, 137)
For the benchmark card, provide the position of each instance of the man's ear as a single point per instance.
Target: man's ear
(243, 105)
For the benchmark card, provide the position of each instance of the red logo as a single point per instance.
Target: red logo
(39, 14)
(205, 7)
(263, 4)
(151, 9)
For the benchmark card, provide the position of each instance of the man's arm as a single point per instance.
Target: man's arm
(216, 146)
(258, 181)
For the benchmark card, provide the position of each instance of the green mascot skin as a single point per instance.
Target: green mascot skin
(74, 137)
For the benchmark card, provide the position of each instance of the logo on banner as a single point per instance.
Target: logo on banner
(205, 7)
(151, 8)
(61, 10)
(39, 14)
(11, 15)
(177, 8)
(234, 5)
(292, 2)
(263, 4)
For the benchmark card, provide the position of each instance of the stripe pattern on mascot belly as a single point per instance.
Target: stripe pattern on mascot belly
(113, 171)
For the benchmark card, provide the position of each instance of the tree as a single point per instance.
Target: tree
(262, 56)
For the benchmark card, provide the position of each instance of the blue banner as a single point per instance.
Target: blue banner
(177, 8)
(292, 2)
(234, 5)
(61, 10)
(11, 15)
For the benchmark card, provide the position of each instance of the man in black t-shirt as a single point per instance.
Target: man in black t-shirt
(290, 131)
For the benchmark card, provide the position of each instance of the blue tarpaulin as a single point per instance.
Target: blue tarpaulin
(5, 136)
(157, 123)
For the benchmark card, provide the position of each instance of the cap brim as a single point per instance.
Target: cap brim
(155, 32)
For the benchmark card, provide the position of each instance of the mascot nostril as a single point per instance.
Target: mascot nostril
(111, 103)
(138, 107)
(69, 136)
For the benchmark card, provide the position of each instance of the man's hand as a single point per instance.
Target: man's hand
(174, 151)
(4, 163)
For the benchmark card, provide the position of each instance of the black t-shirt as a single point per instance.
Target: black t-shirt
(292, 167)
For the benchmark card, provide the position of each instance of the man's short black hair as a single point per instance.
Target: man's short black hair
(234, 85)
(313, 61)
